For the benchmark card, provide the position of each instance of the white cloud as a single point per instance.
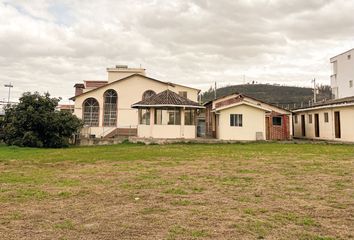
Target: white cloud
(50, 45)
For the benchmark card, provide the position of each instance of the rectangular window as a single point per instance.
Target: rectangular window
(183, 94)
(236, 120)
(349, 57)
(189, 117)
(310, 118)
(277, 121)
(351, 83)
(295, 119)
(144, 116)
(326, 117)
(168, 116)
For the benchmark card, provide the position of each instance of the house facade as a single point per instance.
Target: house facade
(240, 117)
(342, 78)
(331, 120)
(105, 106)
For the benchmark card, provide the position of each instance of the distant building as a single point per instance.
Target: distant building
(66, 107)
(330, 120)
(342, 78)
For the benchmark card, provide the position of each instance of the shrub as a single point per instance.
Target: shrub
(34, 122)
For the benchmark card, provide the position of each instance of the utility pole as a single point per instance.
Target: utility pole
(215, 91)
(314, 90)
(8, 96)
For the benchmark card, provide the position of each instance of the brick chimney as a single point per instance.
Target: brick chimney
(79, 88)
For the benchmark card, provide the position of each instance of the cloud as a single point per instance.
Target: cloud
(50, 45)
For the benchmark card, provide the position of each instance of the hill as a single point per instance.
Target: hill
(285, 96)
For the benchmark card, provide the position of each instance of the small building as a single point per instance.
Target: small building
(65, 108)
(167, 115)
(240, 117)
(342, 78)
(330, 120)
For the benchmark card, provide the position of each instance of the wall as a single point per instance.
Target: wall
(253, 121)
(327, 131)
(342, 75)
(119, 73)
(129, 92)
(281, 132)
(166, 131)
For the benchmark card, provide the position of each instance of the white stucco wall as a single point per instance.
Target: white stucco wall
(166, 131)
(327, 131)
(342, 74)
(253, 121)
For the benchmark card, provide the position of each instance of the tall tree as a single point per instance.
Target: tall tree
(35, 122)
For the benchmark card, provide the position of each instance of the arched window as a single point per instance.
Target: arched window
(110, 108)
(91, 112)
(148, 93)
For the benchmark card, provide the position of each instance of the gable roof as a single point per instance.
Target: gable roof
(130, 76)
(243, 96)
(167, 98)
(95, 83)
(242, 103)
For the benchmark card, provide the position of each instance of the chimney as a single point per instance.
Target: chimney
(79, 88)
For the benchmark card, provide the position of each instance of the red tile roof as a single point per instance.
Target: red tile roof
(94, 83)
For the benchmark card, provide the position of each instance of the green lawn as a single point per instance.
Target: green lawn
(178, 191)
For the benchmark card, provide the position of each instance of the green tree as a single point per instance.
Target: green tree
(35, 122)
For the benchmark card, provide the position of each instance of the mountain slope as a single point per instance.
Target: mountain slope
(286, 96)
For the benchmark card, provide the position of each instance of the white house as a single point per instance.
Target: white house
(331, 120)
(342, 78)
(105, 106)
(240, 117)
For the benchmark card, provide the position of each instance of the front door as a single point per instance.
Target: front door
(317, 126)
(303, 127)
(337, 124)
(267, 128)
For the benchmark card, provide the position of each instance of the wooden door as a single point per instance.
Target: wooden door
(317, 126)
(303, 127)
(337, 124)
(267, 128)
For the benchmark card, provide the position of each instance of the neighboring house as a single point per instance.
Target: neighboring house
(65, 107)
(239, 117)
(331, 120)
(342, 78)
(167, 115)
(106, 106)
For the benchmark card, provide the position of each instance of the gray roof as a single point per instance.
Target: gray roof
(338, 101)
(167, 98)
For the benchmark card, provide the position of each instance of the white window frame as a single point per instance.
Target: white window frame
(236, 120)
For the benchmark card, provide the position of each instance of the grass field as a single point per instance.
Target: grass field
(178, 191)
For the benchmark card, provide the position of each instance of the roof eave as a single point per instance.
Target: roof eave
(323, 107)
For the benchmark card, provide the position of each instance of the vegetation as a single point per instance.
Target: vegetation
(178, 191)
(34, 122)
(276, 94)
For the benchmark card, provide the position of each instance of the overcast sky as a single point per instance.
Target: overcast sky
(51, 45)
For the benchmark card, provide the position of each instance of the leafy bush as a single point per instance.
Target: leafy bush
(34, 122)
